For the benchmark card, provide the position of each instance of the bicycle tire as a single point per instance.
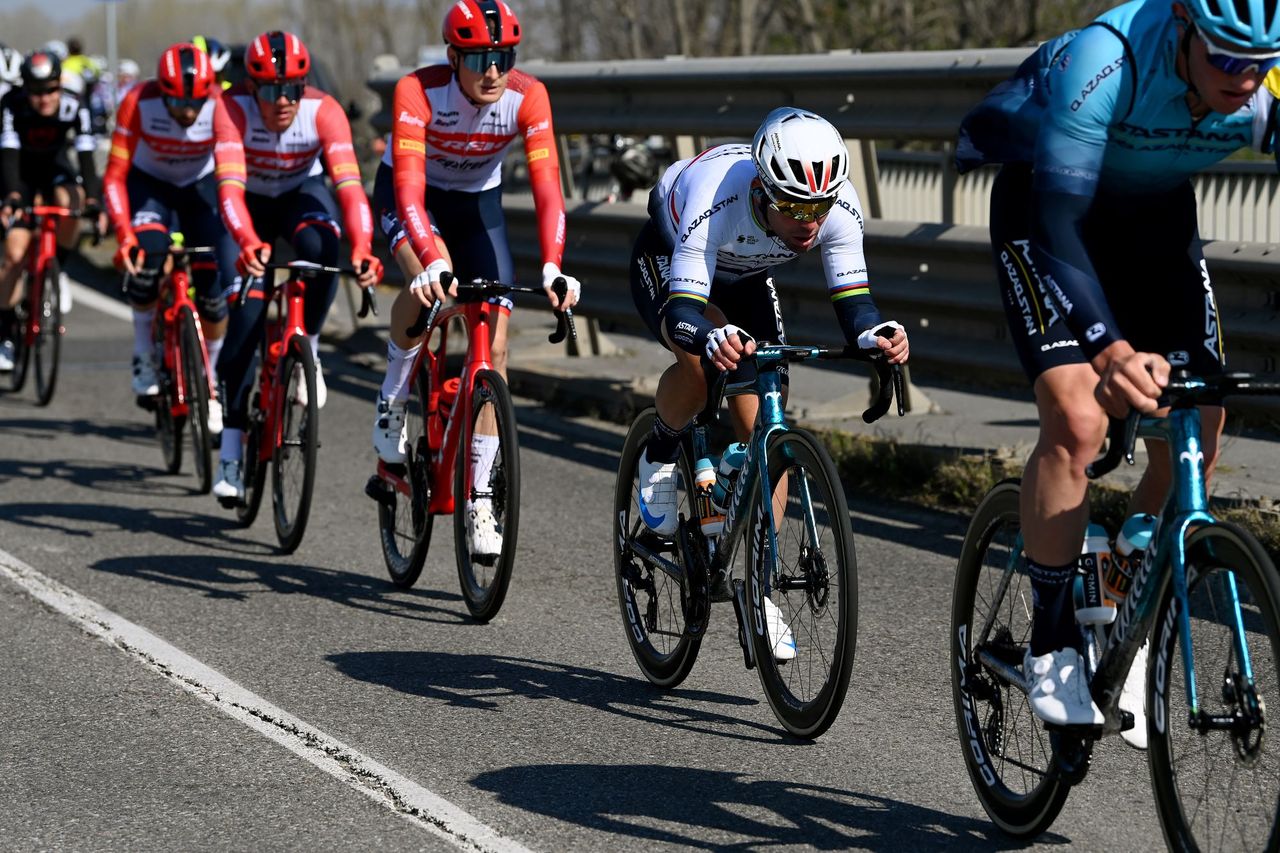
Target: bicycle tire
(47, 349)
(1025, 806)
(192, 357)
(404, 525)
(253, 469)
(650, 599)
(21, 352)
(293, 461)
(818, 600)
(485, 580)
(1246, 796)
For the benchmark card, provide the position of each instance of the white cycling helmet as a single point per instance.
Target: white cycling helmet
(10, 66)
(130, 68)
(799, 155)
(57, 47)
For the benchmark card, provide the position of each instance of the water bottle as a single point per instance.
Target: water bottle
(1092, 606)
(1131, 545)
(727, 473)
(704, 481)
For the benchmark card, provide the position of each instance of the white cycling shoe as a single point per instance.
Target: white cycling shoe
(483, 538)
(1133, 699)
(6, 356)
(784, 642)
(322, 391)
(229, 488)
(145, 381)
(1058, 689)
(388, 431)
(64, 293)
(215, 417)
(658, 495)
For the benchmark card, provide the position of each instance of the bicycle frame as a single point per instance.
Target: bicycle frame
(287, 323)
(42, 250)
(175, 295)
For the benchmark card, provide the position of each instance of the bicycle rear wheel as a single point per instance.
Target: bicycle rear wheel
(197, 390)
(485, 576)
(813, 583)
(1218, 789)
(1007, 751)
(21, 352)
(404, 525)
(293, 462)
(650, 598)
(47, 348)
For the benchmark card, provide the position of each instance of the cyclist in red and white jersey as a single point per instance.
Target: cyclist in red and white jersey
(160, 175)
(274, 132)
(443, 176)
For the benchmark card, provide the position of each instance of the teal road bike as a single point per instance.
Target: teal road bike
(1205, 595)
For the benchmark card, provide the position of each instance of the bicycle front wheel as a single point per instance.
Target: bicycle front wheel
(1007, 751)
(804, 597)
(197, 390)
(404, 525)
(47, 348)
(293, 462)
(254, 470)
(1218, 789)
(649, 596)
(486, 511)
(21, 352)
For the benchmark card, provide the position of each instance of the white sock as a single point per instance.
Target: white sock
(143, 346)
(315, 346)
(399, 363)
(483, 450)
(214, 348)
(231, 451)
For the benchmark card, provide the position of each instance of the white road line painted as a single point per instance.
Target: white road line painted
(376, 781)
(82, 295)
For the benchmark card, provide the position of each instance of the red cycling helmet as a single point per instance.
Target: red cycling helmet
(184, 71)
(481, 25)
(277, 56)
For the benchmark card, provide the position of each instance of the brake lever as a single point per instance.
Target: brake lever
(564, 318)
(368, 301)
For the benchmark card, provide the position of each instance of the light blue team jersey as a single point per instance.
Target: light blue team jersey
(1103, 108)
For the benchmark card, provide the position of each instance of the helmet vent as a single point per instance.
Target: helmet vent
(797, 170)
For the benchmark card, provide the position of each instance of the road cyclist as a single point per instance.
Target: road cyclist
(701, 278)
(441, 183)
(39, 121)
(160, 178)
(273, 133)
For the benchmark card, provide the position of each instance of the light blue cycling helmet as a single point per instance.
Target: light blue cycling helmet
(1248, 28)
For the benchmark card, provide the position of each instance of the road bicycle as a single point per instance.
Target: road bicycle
(443, 414)
(186, 379)
(1207, 597)
(39, 330)
(788, 509)
(283, 428)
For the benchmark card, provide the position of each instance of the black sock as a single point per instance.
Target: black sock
(1053, 625)
(61, 254)
(8, 320)
(664, 443)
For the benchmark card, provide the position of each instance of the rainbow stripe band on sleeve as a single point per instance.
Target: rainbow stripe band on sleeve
(340, 184)
(687, 294)
(237, 181)
(858, 288)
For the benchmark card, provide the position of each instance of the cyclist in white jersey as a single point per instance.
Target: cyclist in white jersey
(700, 272)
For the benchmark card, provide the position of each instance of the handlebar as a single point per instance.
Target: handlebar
(298, 269)
(1183, 391)
(483, 287)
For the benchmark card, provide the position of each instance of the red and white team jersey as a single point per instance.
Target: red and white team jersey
(252, 158)
(441, 139)
(148, 139)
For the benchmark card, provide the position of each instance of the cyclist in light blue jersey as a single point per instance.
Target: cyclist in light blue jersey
(1093, 229)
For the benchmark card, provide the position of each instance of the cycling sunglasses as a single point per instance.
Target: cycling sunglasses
(269, 93)
(480, 60)
(1232, 64)
(803, 211)
(173, 102)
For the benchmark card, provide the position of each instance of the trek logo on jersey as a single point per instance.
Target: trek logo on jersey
(1092, 85)
(406, 118)
(1094, 332)
(707, 214)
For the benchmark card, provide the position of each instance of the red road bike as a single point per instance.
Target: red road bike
(436, 479)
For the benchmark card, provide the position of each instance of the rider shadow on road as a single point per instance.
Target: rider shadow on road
(97, 475)
(695, 807)
(487, 682)
(220, 576)
(40, 429)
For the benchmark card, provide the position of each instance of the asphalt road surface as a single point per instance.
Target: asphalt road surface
(242, 699)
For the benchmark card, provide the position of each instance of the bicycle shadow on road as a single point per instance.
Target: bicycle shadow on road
(96, 475)
(724, 810)
(485, 682)
(51, 429)
(220, 576)
(906, 524)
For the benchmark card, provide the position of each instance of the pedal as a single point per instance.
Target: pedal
(375, 488)
(231, 502)
(146, 402)
(740, 609)
(1127, 720)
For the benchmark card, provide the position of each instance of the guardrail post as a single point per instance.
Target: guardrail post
(950, 184)
(864, 170)
(566, 170)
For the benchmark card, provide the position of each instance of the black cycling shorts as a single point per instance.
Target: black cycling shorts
(750, 303)
(1146, 252)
